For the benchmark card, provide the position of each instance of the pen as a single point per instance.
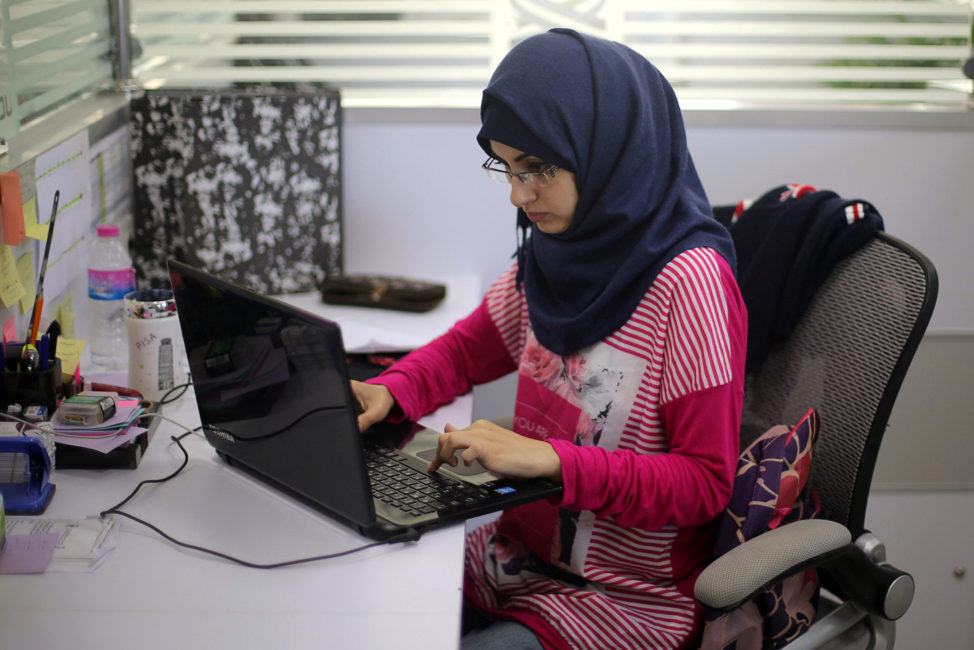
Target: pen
(35, 316)
(43, 349)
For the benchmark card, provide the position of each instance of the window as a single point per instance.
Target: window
(52, 52)
(436, 53)
(722, 53)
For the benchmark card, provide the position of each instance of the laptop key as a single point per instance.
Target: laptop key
(407, 488)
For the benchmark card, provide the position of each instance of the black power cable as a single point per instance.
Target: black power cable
(410, 535)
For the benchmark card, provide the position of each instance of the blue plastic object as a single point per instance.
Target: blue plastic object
(25, 471)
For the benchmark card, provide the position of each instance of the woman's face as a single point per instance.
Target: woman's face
(551, 207)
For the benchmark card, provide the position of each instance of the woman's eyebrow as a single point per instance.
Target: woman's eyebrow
(523, 156)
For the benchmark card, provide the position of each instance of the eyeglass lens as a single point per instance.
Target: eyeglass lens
(537, 179)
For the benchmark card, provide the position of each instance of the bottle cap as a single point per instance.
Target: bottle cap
(107, 230)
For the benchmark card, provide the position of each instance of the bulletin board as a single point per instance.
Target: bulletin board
(243, 182)
(89, 167)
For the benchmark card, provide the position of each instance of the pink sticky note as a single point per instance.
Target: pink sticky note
(28, 553)
(9, 330)
(12, 208)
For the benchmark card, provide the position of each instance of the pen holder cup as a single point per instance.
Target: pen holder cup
(157, 362)
(29, 388)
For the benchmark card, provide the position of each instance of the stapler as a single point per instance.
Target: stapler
(25, 471)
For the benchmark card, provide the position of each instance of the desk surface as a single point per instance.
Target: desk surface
(151, 594)
(369, 330)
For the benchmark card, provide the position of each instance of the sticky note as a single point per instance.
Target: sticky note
(11, 290)
(9, 330)
(12, 208)
(69, 352)
(28, 553)
(25, 271)
(65, 315)
(33, 229)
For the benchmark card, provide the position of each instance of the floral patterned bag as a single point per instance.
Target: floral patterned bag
(768, 491)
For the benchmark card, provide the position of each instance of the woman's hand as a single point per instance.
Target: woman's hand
(499, 450)
(375, 403)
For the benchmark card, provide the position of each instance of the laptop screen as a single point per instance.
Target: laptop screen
(272, 389)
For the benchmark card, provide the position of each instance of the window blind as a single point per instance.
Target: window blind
(816, 52)
(52, 52)
(724, 53)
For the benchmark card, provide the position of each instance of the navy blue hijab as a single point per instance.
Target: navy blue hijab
(603, 112)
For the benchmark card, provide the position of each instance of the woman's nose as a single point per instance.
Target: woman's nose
(522, 193)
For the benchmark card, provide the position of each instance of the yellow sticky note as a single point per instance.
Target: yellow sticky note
(33, 229)
(11, 290)
(69, 352)
(65, 316)
(25, 271)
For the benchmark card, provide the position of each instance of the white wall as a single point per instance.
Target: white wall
(417, 202)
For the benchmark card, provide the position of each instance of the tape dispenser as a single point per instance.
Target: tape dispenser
(25, 471)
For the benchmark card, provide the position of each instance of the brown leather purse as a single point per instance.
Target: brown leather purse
(383, 291)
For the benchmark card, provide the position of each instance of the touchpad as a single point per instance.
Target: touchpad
(460, 469)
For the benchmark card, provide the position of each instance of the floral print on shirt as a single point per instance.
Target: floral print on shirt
(576, 399)
(565, 398)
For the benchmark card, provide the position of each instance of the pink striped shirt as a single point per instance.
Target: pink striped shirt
(646, 426)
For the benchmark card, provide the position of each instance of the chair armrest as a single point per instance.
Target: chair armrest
(746, 570)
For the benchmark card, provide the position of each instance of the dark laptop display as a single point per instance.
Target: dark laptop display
(273, 393)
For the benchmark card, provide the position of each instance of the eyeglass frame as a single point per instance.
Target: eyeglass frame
(537, 179)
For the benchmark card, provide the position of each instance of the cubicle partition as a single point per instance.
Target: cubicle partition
(242, 181)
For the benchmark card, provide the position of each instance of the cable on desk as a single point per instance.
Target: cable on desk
(27, 425)
(168, 397)
(410, 535)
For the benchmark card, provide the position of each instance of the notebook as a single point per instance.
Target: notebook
(274, 398)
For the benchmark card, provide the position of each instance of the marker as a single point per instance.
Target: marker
(53, 332)
(29, 359)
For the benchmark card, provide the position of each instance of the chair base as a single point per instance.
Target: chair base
(847, 626)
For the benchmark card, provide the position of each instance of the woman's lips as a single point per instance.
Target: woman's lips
(536, 216)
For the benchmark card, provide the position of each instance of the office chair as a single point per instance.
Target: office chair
(847, 358)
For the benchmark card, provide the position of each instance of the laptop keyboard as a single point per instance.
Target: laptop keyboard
(416, 492)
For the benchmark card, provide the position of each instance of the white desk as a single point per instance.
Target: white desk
(151, 594)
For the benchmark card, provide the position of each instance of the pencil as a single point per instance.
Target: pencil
(35, 315)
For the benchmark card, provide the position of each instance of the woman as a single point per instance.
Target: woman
(623, 319)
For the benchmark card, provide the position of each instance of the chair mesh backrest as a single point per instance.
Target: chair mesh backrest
(847, 357)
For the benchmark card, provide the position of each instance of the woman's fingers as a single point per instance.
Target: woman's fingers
(374, 401)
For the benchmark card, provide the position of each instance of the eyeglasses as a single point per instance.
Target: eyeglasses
(504, 176)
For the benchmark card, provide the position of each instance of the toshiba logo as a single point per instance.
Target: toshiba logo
(222, 434)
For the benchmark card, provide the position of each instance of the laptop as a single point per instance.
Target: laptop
(274, 398)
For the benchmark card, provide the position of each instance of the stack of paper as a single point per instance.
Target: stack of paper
(107, 435)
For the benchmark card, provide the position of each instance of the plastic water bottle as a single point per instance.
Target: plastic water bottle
(110, 277)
